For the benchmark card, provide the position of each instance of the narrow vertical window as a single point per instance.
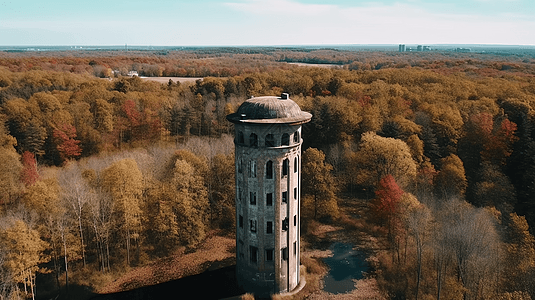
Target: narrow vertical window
(295, 248)
(285, 140)
(285, 224)
(270, 140)
(269, 227)
(240, 166)
(253, 140)
(252, 198)
(252, 225)
(252, 168)
(269, 170)
(295, 193)
(269, 199)
(269, 254)
(284, 253)
(295, 220)
(296, 137)
(240, 221)
(285, 167)
(241, 140)
(253, 252)
(285, 197)
(295, 165)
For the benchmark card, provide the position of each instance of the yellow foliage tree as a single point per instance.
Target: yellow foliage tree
(319, 184)
(451, 180)
(124, 183)
(24, 250)
(378, 157)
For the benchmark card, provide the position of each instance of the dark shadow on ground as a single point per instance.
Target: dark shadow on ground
(215, 283)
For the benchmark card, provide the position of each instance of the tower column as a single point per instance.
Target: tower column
(267, 156)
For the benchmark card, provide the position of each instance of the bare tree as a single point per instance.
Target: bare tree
(76, 192)
(418, 220)
(473, 242)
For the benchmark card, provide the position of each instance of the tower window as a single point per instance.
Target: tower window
(252, 225)
(296, 137)
(240, 166)
(253, 253)
(285, 224)
(295, 165)
(269, 170)
(295, 193)
(269, 199)
(270, 140)
(285, 140)
(285, 167)
(241, 140)
(253, 140)
(240, 221)
(285, 197)
(252, 168)
(284, 253)
(295, 248)
(269, 227)
(295, 220)
(252, 198)
(269, 254)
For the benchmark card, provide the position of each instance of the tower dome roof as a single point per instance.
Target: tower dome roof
(269, 109)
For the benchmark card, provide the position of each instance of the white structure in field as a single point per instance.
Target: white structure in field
(268, 182)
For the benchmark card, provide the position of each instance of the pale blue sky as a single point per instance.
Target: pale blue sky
(266, 22)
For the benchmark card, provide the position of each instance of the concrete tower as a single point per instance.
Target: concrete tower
(268, 186)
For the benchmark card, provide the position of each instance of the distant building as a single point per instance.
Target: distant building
(133, 73)
(402, 48)
(268, 187)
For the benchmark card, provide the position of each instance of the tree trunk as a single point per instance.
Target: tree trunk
(66, 266)
(315, 207)
(419, 261)
(81, 238)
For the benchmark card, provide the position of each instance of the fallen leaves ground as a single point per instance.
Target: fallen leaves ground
(214, 248)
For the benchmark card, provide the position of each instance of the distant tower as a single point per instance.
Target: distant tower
(402, 48)
(268, 185)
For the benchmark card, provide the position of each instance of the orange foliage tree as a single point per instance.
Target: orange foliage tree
(67, 146)
(29, 174)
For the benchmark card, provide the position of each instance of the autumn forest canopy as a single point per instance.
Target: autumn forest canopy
(101, 172)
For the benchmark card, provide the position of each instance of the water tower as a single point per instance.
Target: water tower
(268, 185)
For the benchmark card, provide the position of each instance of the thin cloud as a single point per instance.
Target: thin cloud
(377, 23)
(280, 7)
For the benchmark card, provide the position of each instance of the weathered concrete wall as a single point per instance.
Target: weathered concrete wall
(258, 271)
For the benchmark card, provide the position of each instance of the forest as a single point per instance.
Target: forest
(102, 172)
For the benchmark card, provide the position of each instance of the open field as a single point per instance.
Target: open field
(315, 65)
(174, 79)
